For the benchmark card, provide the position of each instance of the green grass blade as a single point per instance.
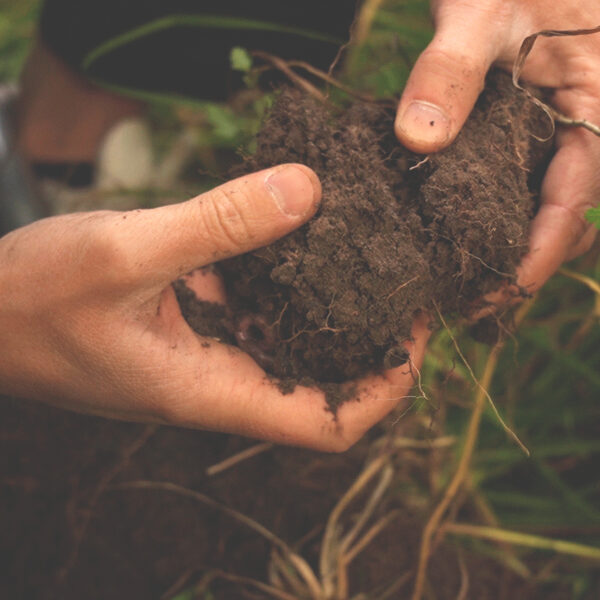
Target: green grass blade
(525, 539)
(201, 21)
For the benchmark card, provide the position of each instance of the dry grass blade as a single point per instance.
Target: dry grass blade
(327, 78)
(284, 577)
(365, 19)
(524, 539)
(464, 578)
(343, 558)
(302, 83)
(298, 562)
(384, 482)
(554, 115)
(481, 387)
(238, 458)
(588, 281)
(402, 443)
(395, 587)
(370, 535)
(462, 470)
(459, 476)
(125, 456)
(328, 558)
(285, 66)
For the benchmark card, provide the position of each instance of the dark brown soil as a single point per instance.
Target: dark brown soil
(67, 532)
(396, 233)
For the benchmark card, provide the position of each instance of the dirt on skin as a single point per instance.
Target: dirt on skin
(395, 233)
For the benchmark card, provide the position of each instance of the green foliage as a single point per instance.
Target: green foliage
(186, 595)
(400, 31)
(240, 59)
(17, 24)
(593, 216)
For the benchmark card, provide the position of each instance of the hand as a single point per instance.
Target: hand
(449, 75)
(90, 322)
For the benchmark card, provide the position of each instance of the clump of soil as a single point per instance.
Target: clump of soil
(396, 233)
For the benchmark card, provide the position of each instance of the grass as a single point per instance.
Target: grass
(17, 26)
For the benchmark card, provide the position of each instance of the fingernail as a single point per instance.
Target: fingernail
(423, 123)
(294, 190)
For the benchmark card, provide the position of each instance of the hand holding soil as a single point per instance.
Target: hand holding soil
(92, 323)
(449, 75)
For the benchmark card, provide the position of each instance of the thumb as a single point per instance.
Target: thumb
(448, 77)
(236, 217)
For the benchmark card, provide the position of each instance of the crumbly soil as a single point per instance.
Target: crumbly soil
(396, 233)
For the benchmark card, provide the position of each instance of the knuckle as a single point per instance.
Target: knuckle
(223, 220)
(456, 65)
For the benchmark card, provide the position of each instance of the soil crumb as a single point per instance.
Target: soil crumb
(396, 233)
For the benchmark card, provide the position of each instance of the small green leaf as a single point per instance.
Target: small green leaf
(185, 595)
(593, 216)
(240, 59)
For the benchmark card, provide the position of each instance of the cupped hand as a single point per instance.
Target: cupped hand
(89, 320)
(449, 75)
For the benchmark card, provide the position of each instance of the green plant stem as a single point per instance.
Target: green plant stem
(523, 539)
(200, 21)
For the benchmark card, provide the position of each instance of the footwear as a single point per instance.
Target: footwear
(19, 203)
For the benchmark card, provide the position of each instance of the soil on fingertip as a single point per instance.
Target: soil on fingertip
(396, 233)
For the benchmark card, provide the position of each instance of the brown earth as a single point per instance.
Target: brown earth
(396, 233)
(68, 533)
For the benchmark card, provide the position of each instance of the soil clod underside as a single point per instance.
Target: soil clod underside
(396, 232)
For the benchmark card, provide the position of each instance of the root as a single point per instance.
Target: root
(328, 563)
(313, 587)
(286, 67)
(238, 458)
(419, 164)
(482, 388)
(553, 114)
(302, 83)
(418, 382)
(85, 514)
(401, 286)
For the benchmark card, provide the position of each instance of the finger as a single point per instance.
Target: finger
(380, 394)
(221, 388)
(560, 231)
(159, 245)
(450, 74)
